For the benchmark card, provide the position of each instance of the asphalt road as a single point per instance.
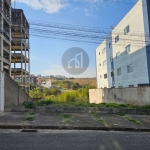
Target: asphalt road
(74, 140)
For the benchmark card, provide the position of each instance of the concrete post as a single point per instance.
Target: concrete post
(2, 96)
(10, 38)
(1, 40)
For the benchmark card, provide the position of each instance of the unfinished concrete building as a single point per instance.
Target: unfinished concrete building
(5, 36)
(20, 46)
(14, 56)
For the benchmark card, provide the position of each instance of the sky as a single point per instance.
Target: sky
(46, 54)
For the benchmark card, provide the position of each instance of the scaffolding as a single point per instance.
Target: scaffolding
(5, 36)
(20, 48)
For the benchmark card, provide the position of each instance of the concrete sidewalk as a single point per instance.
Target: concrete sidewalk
(74, 121)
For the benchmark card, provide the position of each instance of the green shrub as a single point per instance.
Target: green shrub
(36, 93)
(146, 107)
(43, 102)
(29, 117)
(29, 104)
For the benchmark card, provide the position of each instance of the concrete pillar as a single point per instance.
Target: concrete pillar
(1, 42)
(21, 37)
(2, 96)
(10, 43)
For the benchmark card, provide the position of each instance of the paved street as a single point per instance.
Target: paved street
(73, 140)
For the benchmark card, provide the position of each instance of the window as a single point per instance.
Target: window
(112, 74)
(105, 76)
(117, 55)
(105, 63)
(100, 64)
(100, 76)
(109, 45)
(126, 30)
(119, 71)
(131, 86)
(111, 59)
(129, 68)
(103, 51)
(128, 49)
(99, 53)
(116, 38)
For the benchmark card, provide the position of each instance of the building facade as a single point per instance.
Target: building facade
(125, 62)
(14, 42)
(20, 46)
(5, 36)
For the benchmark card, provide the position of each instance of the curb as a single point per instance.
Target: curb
(82, 110)
(31, 127)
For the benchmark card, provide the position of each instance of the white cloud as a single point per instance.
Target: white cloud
(59, 70)
(96, 1)
(54, 6)
(49, 6)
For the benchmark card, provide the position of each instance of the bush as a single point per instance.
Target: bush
(43, 102)
(29, 104)
(36, 93)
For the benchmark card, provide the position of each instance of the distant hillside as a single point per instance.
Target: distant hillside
(81, 81)
(84, 81)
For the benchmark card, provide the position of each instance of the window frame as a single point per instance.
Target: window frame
(111, 59)
(128, 69)
(105, 63)
(117, 39)
(128, 50)
(103, 50)
(117, 56)
(109, 45)
(119, 72)
(127, 30)
(105, 76)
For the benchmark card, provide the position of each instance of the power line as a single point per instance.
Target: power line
(83, 28)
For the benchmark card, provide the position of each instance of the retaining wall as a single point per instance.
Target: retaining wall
(136, 96)
(14, 94)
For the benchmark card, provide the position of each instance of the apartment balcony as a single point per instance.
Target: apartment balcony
(18, 34)
(18, 71)
(6, 61)
(17, 42)
(18, 58)
(17, 48)
(6, 40)
(20, 28)
(6, 50)
(6, 32)
(6, 67)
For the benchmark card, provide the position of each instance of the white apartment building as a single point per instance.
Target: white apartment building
(123, 58)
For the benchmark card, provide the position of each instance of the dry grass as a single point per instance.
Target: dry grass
(84, 81)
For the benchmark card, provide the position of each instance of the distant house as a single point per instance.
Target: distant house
(47, 84)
